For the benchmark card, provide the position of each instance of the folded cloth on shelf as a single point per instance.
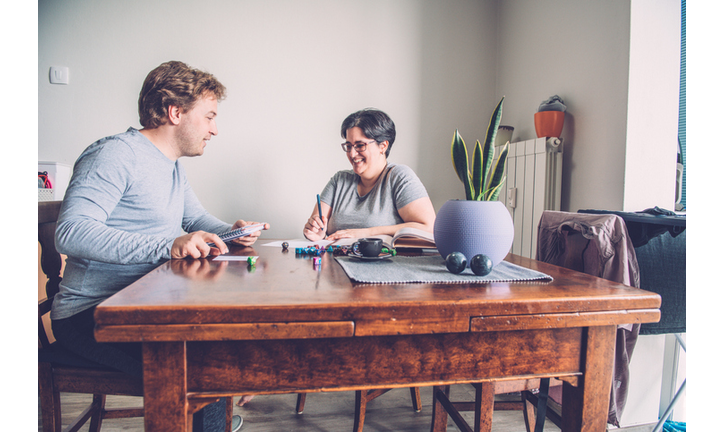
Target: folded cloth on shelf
(662, 261)
(430, 269)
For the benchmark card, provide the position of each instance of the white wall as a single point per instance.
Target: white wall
(651, 146)
(653, 105)
(578, 50)
(620, 126)
(293, 69)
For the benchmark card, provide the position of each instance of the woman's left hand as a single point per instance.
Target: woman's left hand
(350, 233)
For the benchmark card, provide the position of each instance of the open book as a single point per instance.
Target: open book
(404, 238)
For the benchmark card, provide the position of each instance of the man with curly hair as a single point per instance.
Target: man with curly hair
(129, 208)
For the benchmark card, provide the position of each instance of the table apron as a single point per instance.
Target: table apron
(541, 321)
(327, 364)
(366, 327)
(216, 332)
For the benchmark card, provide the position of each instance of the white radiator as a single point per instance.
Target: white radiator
(532, 184)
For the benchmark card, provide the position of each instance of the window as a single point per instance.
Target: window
(681, 204)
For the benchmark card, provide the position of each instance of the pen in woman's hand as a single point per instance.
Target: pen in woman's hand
(319, 207)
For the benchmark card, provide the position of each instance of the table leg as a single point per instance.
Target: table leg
(585, 408)
(164, 387)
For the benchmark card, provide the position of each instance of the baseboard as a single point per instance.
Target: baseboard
(647, 427)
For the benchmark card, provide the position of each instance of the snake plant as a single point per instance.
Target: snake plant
(484, 183)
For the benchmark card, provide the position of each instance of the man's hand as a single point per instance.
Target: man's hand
(251, 238)
(194, 245)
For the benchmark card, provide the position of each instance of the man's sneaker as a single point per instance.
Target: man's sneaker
(236, 422)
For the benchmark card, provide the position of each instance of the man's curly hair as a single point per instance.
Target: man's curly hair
(174, 84)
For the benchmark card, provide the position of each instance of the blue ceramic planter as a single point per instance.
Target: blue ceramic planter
(474, 227)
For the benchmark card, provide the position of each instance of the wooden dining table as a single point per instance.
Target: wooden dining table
(212, 328)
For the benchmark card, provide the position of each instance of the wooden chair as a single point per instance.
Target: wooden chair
(62, 371)
(577, 250)
(360, 403)
(600, 245)
(531, 402)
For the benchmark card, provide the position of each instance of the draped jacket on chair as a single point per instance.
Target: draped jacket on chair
(606, 252)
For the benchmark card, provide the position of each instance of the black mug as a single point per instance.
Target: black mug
(368, 247)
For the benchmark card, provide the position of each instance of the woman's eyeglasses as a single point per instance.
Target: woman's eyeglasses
(358, 146)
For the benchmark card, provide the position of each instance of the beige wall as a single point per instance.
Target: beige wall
(295, 69)
(579, 51)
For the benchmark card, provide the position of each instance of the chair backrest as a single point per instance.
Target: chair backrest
(50, 262)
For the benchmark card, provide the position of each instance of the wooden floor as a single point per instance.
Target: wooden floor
(324, 412)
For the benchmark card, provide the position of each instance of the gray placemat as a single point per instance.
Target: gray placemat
(427, 269)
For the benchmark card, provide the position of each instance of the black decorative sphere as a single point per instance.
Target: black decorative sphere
(456, 262)
(481, 265)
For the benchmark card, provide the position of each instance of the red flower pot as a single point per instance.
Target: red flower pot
(548, 123)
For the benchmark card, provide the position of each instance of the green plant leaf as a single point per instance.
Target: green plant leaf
(494, 123)
(498, 177)
(478, 172)
(490, 134)
(459, 153)
(493, 195)
(488, 153)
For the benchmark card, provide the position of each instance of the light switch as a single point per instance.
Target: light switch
(512, 197)
(59, 75)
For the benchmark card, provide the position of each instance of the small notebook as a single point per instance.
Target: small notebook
(239, 232)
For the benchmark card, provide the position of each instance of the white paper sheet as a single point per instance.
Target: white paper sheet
(298, 243)
(233, 258)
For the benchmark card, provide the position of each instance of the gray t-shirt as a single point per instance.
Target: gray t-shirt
(397, 186)
(125, 205)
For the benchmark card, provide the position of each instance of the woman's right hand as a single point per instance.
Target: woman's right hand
(315, 228)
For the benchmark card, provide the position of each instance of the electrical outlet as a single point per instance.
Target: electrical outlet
(59, 75)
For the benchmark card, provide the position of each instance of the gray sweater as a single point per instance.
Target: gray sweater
(125, 205)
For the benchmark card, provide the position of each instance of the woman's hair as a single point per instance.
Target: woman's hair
(174, 84)
(374, 123)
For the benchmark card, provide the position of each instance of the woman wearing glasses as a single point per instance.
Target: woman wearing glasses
(374, 197)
